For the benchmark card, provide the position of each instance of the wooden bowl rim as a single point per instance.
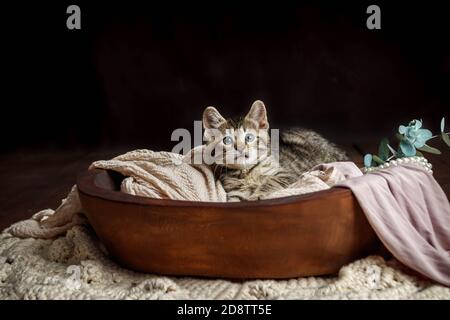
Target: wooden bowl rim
(86, 183)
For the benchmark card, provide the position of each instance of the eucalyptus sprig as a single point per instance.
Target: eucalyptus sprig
(412, 142)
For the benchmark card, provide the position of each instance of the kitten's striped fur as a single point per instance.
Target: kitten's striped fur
(258, 172)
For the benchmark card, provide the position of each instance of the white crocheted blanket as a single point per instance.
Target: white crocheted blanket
(75, 266)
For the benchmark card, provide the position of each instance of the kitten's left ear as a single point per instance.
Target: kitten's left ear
(258, 114)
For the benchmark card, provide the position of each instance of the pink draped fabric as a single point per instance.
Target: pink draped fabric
(409, 212)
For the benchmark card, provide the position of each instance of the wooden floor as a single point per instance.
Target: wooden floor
(31, 181)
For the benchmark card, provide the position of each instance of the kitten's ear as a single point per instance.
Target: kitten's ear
(212, 119)
(258, 114)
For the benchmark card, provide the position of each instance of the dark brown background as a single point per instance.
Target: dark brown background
(134, 73)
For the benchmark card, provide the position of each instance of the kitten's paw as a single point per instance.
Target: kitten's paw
(254, 198)
(233, 199)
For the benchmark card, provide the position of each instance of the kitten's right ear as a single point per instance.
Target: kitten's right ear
(212, 119)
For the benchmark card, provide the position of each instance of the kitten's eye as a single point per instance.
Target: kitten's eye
(227, 140)
(249, 137)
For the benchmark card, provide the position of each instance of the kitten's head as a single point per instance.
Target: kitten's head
(237, 144)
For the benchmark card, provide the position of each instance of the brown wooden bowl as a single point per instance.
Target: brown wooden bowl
(311, 234)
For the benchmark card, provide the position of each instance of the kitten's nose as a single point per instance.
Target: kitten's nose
(240, 147)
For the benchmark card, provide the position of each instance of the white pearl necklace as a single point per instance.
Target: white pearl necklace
(421, 161)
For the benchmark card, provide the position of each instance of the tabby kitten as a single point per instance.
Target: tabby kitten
(244, 160)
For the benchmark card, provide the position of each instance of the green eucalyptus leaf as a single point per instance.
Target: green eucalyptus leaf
(399, 136)
(368, 160)
(377, 159)
(446, 139)
(402, 129)
(419, 154)
(400, 154)
(407, 148)
(427, 148)
(442, 124)
(383, 150)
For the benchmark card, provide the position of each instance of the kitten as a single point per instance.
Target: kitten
(243, 158)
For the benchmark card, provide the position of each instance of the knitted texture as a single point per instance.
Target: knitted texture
(76, 266)
(164, 175)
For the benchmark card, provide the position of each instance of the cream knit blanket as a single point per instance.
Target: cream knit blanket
(164, 175)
